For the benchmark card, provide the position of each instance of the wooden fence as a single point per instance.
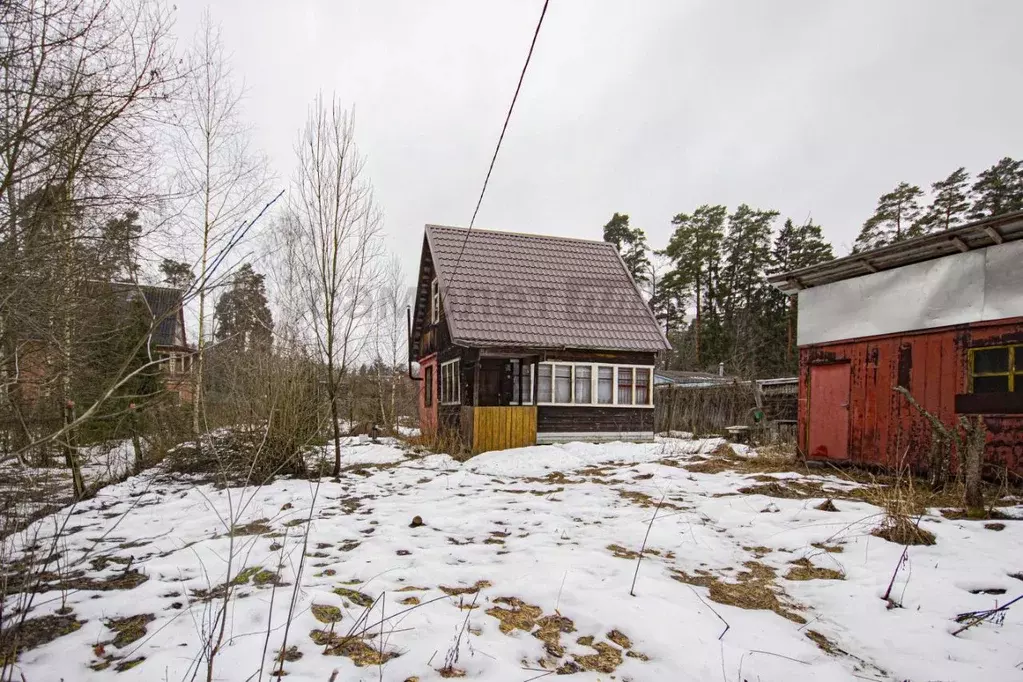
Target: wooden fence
(709, 410)
(499, 428)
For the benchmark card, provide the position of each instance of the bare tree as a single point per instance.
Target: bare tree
(84, 85)
(330, 243)
(224, 180)
(389, 338)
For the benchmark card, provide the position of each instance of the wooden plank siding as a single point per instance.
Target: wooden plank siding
(500, 428)
(582, 418)
(933, 365)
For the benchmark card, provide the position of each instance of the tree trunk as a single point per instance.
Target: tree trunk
(335, 418)
(972, 459)
(696, 322)
(71, 452)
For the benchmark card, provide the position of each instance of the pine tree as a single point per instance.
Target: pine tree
(242, 314)
(177, 274)
(631, 244)
(795, 247)
(894, 219)
(746, 296)
(118, 247)
(951, 203)
(998, 190)
(694, 250)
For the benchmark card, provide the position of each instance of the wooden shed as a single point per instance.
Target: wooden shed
(525, 339)
(940, 315)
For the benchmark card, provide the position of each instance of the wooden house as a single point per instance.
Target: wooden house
(525, 339)
(940, 315)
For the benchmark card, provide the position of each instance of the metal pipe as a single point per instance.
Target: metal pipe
(408, 314)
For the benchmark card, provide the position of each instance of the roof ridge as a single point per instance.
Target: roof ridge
(533, 235)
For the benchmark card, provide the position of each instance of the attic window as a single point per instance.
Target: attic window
(435, 301)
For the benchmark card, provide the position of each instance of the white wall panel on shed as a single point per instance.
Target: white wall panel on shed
(986, 284)
(1003, 285)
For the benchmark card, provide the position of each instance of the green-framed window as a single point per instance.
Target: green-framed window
(996, 369)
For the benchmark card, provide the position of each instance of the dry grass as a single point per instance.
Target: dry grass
(833, 549)
(130, 629)
(358, 650)
(755, 589)
(325, 613)
(456, 591)
(32, 633)
(606, 660)
(358, 598)
(621, 552)
(823, 643)
(803, 569)
(520, 615)
(903, 531)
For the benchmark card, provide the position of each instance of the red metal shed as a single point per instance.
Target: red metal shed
(941, 315)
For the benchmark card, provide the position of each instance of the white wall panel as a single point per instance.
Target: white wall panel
(986, 284)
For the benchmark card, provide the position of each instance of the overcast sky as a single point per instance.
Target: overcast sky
(648, 107)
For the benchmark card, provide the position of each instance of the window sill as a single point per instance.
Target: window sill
(989, 403)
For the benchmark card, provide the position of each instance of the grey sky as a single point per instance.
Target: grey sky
(648, 107)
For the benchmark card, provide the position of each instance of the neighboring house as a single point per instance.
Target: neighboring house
(109, 319)
(941, 315)
(167, 341)
(526, 339)
(669, 377)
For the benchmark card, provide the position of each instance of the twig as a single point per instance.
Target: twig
(978, 617)
(632, 590)
(727, 626)
(905, 550)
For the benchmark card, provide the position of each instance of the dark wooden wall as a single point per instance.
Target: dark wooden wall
(933, 365)
(583, 419)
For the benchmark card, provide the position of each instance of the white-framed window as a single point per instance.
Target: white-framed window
(435, 301)
(585, 383)
(450, 386)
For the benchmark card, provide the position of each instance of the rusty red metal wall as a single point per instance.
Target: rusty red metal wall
(933, 365)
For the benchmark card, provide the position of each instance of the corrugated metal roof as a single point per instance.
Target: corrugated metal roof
(977, 235)
(533, 291)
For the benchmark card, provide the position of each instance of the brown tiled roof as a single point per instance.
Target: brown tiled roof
(532, 291)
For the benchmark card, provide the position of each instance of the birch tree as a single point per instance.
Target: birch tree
(390, 338)
(224, 180)
(331, 245)
(84, 85)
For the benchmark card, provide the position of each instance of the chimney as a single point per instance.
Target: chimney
(721, 369)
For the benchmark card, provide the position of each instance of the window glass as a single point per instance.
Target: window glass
(527, 383)
(583, 389)
(991, 384)
(449, 384)
(428, 386)
(543, 383)
(562, 383)
(642, 387)
(515, 384)
(1018, 383)
(990, 360)
(605, 385)
(624, 385)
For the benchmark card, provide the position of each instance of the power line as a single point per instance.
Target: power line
(504, 128)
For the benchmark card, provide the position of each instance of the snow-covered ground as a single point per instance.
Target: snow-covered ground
(550, 537)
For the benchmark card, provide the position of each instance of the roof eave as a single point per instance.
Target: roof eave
(973, 236)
